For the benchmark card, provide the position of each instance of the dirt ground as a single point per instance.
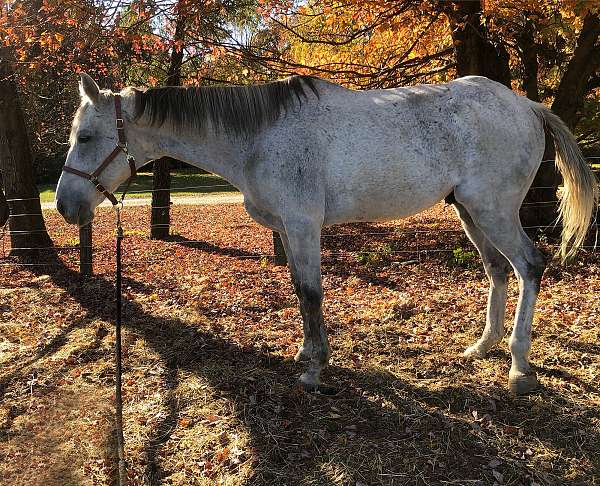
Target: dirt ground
(211, 327)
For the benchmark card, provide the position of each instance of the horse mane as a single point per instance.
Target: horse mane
(236, 109)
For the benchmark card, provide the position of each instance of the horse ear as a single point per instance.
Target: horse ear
(89, 88)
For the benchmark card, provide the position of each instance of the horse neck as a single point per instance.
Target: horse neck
(215, 151)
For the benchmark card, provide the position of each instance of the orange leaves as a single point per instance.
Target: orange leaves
(184, 423)
(222, 455)
(367, 41)
(50, 41)
(212, 419)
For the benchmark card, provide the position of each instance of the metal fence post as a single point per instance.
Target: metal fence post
(85, 250)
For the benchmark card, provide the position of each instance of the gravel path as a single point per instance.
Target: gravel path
(206, 199)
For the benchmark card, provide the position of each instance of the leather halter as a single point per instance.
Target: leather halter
(121, 147)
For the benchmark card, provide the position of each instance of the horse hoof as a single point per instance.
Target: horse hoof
(318, 388)
(521, 383)
(474, 352)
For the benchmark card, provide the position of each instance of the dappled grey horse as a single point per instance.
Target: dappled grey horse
(308, 153)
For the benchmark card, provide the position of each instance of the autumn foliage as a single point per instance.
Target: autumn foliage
(360, 43)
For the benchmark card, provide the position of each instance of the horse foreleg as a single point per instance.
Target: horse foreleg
(305, 350)
(302, 244)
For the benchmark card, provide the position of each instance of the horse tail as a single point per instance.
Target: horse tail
(580, 190)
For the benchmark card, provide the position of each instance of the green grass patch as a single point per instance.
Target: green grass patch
(465, 258)
(183, 183)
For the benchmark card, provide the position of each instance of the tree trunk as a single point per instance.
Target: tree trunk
(161, 183)
(86, 256)
(27, 227)
(280, 257)
(539, 209)
(574, 84)
(476, 54)
(528, 53)
(568, 102)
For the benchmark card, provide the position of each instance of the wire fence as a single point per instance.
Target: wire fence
(85, 248)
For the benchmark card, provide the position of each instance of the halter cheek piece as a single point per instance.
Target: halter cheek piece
(121, 147)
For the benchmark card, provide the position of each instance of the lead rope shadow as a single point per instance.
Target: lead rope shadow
(154, 474)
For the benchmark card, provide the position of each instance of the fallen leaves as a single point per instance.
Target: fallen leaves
(210, 334)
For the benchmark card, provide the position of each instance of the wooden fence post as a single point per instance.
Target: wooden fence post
(278, 250)
(85, 250)
(160, 222)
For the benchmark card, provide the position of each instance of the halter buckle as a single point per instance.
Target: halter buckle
(99, 187)
(119, 123)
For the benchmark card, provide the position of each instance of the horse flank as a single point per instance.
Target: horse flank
(241, 110)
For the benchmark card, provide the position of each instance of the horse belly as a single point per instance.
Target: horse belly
(393, 194)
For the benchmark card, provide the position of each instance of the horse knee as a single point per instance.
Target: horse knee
(311, 297)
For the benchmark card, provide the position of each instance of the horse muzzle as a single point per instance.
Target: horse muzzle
(75, 212)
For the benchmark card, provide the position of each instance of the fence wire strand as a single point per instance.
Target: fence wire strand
(327, 254)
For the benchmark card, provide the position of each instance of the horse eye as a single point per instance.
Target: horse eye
(83, 138)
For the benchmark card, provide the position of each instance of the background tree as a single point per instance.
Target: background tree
(161, 195)
(557, 57)
(27, 227)
(477, 52)
(546, 49)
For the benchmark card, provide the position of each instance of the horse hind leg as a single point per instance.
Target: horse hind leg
(497, 268)
(502, 228)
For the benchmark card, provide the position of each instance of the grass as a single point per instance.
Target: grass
(190, 181)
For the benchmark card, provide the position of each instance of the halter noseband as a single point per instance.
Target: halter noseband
(121, 147)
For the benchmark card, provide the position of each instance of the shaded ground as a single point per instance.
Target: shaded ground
(211, 329)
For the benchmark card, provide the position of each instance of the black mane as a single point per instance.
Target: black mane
(239, 109)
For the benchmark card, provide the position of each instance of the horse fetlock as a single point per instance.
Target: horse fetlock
(304, 353)
(520, 348)
(483, 346)
(476, 350)
(308, 353)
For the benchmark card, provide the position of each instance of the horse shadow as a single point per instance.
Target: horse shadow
(377, 426)
(212, 248)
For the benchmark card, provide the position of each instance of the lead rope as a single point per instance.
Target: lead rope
(118, 357)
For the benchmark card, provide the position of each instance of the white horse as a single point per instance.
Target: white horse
(308, 153)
